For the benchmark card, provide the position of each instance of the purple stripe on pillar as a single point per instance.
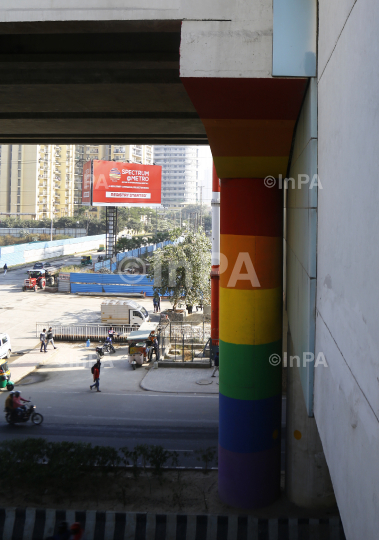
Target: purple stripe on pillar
(249, 480)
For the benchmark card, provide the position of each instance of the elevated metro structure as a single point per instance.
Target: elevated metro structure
(171, 71)
(278, 88)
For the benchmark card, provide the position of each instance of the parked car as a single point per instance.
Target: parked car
(5, 346)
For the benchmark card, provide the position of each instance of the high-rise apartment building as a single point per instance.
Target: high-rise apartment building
(133, 152)
(37, 180)
(179, 174)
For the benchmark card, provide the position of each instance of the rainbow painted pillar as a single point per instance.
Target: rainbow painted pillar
(250, 342)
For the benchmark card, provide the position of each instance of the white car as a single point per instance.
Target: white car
(5, 346)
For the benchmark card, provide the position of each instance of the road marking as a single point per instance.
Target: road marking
(212, 528)
(130, 527)
(150, 527)
(252, 528)
(191, 528)
(49, 523)
(109, 525)
(90, 523)
(232, 527)
(273, 529)
(10, 515)
(30, 515)
(171, 527)
(293, 529)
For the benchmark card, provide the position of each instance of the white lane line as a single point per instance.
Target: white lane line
(212, 528)
(70, 517)
(109, 525)
(232, 527)
(191, 528)
(90, 524)
(49, 523)
(273, 529)
(30, 515)
(171, 527)
(150, 527)
(252, 528)
(130, 527)
(10, 515)
(293, 529)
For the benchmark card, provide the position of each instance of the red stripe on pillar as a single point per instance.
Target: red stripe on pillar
(260, 208)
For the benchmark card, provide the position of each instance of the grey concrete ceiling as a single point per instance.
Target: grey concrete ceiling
(97, 82)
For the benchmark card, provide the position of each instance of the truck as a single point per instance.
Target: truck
(123, 312)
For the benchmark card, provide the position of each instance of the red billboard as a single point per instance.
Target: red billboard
(86, 185)
(118, 184)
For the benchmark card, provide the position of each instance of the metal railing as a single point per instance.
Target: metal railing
(81, 332)
(186, 341)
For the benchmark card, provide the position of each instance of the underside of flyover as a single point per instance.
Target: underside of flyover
(120, 82)
(94, 82)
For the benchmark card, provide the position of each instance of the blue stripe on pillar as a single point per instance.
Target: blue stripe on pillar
(248, 426)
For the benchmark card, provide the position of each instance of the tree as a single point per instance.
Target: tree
(207, 222)
(182, 271)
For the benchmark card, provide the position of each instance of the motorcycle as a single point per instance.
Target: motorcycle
(12, 417)
(107, 346)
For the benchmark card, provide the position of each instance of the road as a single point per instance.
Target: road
(121, 415)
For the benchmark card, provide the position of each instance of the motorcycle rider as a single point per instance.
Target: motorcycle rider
(18, 407)
(8, 406)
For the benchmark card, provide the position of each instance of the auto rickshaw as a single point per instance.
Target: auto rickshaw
(86, 260)
(5, 376)
(101, 247)
(141, 344)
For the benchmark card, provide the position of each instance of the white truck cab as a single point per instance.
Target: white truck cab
(5, 346)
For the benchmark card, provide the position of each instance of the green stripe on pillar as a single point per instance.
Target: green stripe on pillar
(246, 372)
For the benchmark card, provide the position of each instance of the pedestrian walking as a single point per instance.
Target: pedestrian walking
(42, 338)
(96, 377)
(155, 304)
(5, 267)
(217, 363)
(50, 337)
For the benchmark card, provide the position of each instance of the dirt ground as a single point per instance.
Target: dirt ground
(189, 492)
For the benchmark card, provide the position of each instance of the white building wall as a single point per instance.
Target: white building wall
(346, 403)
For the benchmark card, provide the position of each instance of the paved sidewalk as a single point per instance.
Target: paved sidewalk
(181, 380)
(28, 362)
(36, 524)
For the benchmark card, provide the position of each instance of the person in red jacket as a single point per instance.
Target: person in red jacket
(77, 533)
(96, 377)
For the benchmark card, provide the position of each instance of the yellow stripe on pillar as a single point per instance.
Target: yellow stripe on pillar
(250, 317)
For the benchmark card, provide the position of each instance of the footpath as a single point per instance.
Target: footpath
(167, 380)
(181, 380)
(27, 363)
